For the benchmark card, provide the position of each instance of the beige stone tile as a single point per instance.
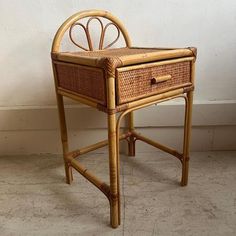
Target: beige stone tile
(35, 200)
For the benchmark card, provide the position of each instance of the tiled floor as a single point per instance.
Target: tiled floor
(34, 199)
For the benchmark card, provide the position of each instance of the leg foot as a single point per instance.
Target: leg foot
(114, 213)
(131, 146)
(185, 167)
(68, 172)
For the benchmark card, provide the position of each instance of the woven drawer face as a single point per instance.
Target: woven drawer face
(83, 80)
(134, 82)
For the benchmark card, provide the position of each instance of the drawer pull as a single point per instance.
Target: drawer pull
(160, 79)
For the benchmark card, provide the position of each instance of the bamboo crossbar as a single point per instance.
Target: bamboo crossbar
(90, 177)
(155, 99)
(151, 64)
(158, 145)
(76, 97)
(143, 104)
(88, 101)
(139, 106)
(93, 147)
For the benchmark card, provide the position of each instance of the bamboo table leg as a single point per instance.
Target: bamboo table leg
(187, 133)
(113, 157)
(64, 138)
(114, 172)
(187, 129)
(63, 129)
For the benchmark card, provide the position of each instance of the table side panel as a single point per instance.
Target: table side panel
(83, 80)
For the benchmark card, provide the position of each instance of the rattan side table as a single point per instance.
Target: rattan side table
(118, 82)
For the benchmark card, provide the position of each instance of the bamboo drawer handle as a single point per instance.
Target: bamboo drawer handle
(160, 79)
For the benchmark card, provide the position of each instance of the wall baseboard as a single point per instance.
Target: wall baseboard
(28, 130)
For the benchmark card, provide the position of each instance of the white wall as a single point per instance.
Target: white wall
(27, 28)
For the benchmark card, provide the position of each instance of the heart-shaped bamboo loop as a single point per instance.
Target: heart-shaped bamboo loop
(101, 34)
(117, 37)
(86, 33)
(88, 36)
(78, 20)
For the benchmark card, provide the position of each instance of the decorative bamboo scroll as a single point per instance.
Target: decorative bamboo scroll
(98, 15)
(88, 36)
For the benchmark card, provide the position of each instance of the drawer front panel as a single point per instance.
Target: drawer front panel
(83, 80)
(146, 80)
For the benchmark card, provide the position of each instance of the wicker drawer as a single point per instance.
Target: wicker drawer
(83, 80)
(134, 82)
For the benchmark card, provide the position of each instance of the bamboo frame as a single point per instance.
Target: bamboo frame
(137, 136)
(126, 59)
(92, 178)
(158, 145)
(90, 148)
(112, 190)
(80, 15)
(157, 63)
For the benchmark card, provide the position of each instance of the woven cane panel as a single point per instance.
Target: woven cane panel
(136, 83)
(116, 52)
(82, 80)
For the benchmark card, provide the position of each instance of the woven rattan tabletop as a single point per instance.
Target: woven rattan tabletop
(116, 52)
(122, 56)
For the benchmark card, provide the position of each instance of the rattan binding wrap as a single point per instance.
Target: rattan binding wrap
(136, 83)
